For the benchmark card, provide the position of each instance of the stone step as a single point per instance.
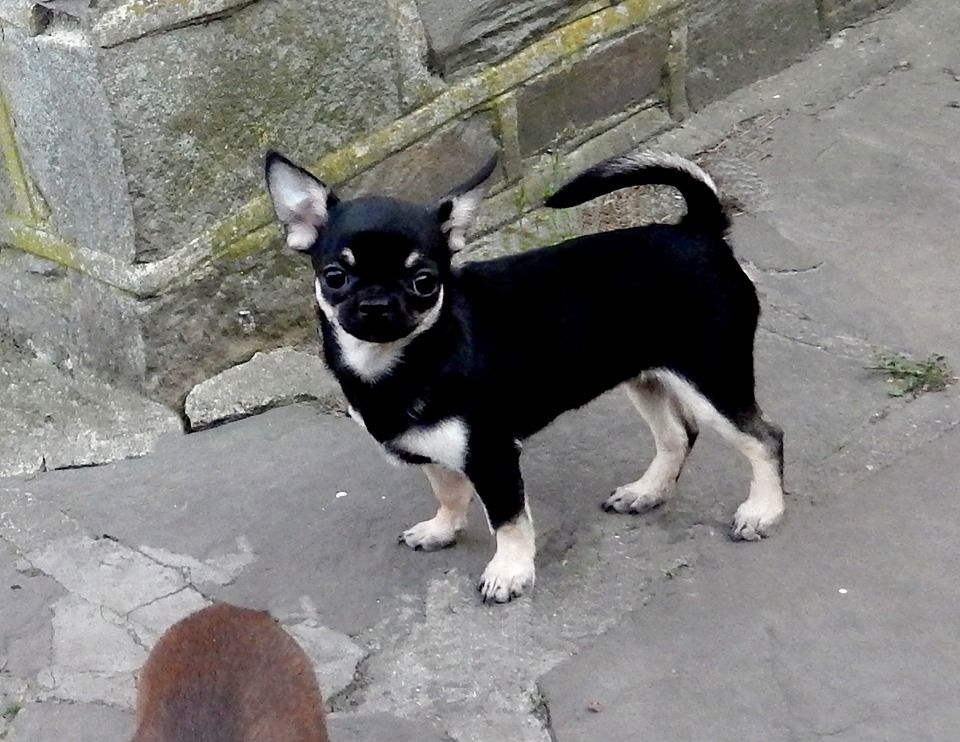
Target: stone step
(270, 379)
(50, 419)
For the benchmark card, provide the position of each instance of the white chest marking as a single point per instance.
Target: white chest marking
(444, 443)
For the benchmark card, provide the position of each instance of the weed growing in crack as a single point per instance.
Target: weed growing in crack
(10, 711)
(907, 376)
(538, 703)
(541, 711)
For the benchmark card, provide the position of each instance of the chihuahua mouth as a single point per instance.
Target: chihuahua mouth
(373, 333)
(385, 328)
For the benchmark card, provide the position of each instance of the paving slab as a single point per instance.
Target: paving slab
(886, 202)
(297, 512)
(25, 615)
(81, 722)
(302, 489)
(52, 420)
(844, 627)
(378, 727)
(846, 168)
(45, 722)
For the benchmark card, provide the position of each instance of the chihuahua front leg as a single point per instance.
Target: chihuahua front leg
(494, 470)
(454, 492)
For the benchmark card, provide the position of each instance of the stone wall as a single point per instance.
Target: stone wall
(136, 242)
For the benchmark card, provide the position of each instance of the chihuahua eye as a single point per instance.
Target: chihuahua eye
(425, 284)
(334, 277)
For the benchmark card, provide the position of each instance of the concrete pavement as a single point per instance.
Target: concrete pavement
(845, 627)
(656, 627)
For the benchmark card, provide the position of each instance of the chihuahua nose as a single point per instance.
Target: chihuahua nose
(374, 307)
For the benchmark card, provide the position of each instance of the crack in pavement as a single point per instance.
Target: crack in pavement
(784, 271)
(781, 684)
(462, 661)
(784, 336)
(221, 570)
(202, 20)
(158, 599)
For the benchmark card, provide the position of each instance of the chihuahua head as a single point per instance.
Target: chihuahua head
(381, 264)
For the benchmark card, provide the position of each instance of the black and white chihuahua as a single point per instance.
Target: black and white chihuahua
(451, 368)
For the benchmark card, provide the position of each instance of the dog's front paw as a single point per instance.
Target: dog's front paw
(753, 520)
(506, 578)
(632, 499)
(431, 535)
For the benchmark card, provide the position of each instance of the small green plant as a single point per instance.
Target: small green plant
(520, 201)
(556, 177)
(10, 711)
(907, 376)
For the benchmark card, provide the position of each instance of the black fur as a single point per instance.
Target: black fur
(521, 339)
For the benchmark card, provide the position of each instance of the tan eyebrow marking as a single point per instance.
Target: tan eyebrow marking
(412, 258)
(348, 257)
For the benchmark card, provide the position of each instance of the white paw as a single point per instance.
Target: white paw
(754, 519)
(636, 498)
(430, 535)
(506, 578)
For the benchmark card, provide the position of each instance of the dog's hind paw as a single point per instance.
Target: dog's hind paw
(431, 535)
(628, 500)
(505, 579)
(752, 523)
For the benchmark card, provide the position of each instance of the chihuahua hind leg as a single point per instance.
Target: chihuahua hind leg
(762, 443)
(674, 434)
(733, 412)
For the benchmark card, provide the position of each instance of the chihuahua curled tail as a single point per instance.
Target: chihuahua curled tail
(451, 368)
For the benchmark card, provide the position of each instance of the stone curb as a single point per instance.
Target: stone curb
(270, 379)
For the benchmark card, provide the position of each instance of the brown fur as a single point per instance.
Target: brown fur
(228, 674)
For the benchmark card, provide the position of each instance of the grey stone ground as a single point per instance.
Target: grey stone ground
(842, 625)
(54, 420)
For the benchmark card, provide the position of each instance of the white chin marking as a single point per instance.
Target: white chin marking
(368, 360)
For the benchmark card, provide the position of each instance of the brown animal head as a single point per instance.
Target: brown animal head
(228, 674)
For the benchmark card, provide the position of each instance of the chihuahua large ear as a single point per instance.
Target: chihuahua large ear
(458, 209)
(300, 200)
